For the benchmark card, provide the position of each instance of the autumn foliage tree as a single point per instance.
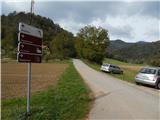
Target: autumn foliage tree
(91, 43)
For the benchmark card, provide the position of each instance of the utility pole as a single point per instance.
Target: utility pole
(29, 70)
(31, 11)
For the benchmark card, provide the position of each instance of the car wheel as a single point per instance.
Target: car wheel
(137, 83)
(158, 85)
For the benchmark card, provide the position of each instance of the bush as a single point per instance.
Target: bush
(96, 57)
(155, 62)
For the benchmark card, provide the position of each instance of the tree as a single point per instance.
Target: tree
(62, 46)
(91, 43)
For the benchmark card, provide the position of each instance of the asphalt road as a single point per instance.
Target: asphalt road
(116, 99)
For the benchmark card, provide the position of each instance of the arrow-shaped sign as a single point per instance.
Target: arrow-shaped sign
(23, 57)
(30, 43)
(29, 48)
(24, 38)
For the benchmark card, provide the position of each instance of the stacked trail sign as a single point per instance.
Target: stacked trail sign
(29, 51)
(30, 44)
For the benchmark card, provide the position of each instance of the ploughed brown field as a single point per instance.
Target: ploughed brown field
(132, 68)
(14, 78)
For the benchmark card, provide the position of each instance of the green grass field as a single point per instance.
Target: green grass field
(69, 100)
(116, 62)
(130, 70)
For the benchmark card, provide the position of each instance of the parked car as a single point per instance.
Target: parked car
(111, 68)
(150, 76)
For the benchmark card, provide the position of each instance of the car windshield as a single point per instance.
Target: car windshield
(148, 71)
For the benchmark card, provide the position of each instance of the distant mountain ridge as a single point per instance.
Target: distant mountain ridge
(117, 44)
(139, 52)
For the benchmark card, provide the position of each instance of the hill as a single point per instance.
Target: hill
(140, 52)
(9, 25)
(116, 45)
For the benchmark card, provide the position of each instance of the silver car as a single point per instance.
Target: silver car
(111, 68)
(150, 76)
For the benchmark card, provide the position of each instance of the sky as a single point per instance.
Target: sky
(131, 21)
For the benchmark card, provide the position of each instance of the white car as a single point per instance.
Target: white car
(111, 68)
(150, 76)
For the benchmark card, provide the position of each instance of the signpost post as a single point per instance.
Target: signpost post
(29, 49)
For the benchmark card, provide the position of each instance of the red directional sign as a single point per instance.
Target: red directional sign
(30, 44)
(30, 39)
(28, 48)
(23, 57)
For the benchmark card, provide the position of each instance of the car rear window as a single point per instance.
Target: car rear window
(148, 71)
(105, 65)
(112, 66)
(158, 72)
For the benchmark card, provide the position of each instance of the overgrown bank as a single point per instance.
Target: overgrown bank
(69, 100)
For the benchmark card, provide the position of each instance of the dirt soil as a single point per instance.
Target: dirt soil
(14, 78)
(133, 68)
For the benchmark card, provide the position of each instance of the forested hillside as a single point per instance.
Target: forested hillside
(9, 25)
(57, 42)
(61, 44)
(140, 52)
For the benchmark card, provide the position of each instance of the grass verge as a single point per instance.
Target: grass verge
(69, 100)
(128, 74)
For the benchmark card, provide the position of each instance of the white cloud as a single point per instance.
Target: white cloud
(16, 5)
(128, 1)
(140, 26)
(70, 25)
(129, 21)
(131, 29)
